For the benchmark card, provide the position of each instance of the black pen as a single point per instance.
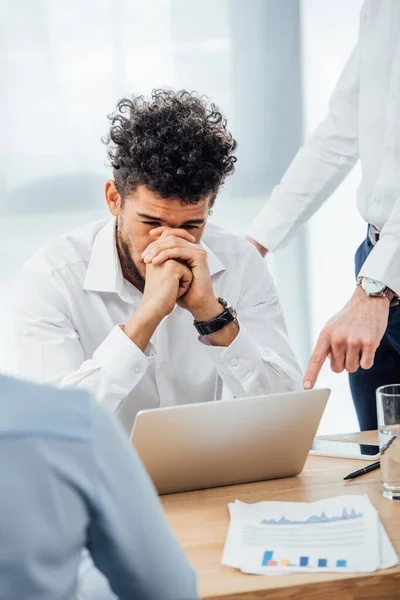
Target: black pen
(372, 466)
(364, 470)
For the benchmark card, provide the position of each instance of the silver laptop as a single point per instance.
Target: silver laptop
(225, 442)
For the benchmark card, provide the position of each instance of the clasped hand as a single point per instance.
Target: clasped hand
(177, 272)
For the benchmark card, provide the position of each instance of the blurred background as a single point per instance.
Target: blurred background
(270, 65)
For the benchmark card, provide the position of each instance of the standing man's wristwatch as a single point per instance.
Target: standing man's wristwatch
(227, 316)
(377, 289)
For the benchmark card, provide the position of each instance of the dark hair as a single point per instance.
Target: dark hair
(175, 143)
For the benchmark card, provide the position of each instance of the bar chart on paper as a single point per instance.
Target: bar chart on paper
(306, 561)
(301, 561)
(268, 559)
(309, 541)
(341, 534)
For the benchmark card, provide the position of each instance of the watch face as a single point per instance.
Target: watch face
(372, 287)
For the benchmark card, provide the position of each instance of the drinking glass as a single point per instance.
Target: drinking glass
(388, 407)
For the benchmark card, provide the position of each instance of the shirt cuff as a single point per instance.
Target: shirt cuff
(124, 362)
(383, 263)
(241, 362)
(270, 228)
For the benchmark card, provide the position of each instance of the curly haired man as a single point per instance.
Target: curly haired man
(155, 307)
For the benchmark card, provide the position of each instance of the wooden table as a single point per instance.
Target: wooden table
(200, 520)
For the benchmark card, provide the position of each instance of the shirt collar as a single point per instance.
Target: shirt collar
(215, 265)
(104, 272)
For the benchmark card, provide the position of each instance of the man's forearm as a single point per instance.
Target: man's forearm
(224, 337)
(141, 326)
(263, 251)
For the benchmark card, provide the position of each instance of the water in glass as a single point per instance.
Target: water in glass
(390, 461)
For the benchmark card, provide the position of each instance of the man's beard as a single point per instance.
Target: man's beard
(129, 269)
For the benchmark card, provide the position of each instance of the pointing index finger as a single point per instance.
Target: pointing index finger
(317, 359)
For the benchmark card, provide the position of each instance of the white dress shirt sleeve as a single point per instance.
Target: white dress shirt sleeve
(49, 350)
(319, 166)
(383, 262)
(259, 360)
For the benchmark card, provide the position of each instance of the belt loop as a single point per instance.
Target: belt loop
(373, 234)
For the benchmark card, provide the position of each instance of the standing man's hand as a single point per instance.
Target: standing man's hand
(263, 251)
(351, 337)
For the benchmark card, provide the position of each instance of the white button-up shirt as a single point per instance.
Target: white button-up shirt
(363, 122)
(72, 298)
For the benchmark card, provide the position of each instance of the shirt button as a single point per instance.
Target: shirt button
(260, 391)
(161, 365)
(377, 201)
(137, 369)
(234, 362)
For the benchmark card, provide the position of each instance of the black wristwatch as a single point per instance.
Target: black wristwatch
(227, 316)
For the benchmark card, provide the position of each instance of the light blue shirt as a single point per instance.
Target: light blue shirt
(69, 480)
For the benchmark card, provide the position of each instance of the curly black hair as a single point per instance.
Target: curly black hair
(175, 143)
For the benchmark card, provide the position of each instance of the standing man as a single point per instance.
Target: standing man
(363, 123)
(154, 307)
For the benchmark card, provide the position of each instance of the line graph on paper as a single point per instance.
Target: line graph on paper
(311, 520)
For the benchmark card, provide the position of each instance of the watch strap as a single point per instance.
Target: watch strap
(219, 322)
(391, 295)
(386, 292)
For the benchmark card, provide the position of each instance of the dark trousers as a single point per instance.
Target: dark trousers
(386, 367)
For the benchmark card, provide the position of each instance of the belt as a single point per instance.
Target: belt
(373, 234)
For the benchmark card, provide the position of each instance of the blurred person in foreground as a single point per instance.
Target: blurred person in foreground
(69, 480)
(154, 306)
(363, 123)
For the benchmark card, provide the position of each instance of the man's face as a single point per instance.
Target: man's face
(142, 211)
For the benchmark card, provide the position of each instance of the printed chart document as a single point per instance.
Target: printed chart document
(336, 534)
